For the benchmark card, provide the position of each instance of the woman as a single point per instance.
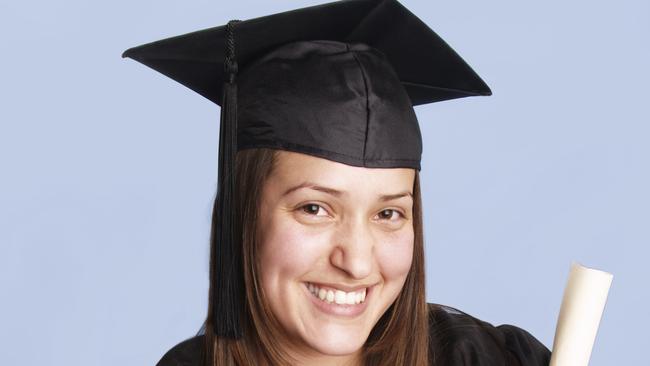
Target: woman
(317, 245)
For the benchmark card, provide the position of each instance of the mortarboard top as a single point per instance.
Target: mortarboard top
(429, 69)
(337, 81)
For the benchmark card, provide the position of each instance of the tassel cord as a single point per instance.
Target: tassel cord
(228, 295)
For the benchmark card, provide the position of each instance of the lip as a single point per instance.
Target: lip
(344, 310)
(344, 288)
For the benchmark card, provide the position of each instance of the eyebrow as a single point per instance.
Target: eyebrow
(337, 193)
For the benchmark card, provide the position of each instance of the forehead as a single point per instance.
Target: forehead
(295, 168)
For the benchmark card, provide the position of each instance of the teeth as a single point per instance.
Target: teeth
(337, 296)
(351, 298)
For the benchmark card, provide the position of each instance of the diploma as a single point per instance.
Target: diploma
(582, 308)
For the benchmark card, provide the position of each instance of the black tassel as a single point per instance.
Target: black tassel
(228, 280)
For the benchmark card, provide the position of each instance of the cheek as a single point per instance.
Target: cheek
(288, 251)
(395, 254)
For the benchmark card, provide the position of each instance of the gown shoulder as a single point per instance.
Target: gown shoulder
(459, 339)
(186, 353)
(455, 339)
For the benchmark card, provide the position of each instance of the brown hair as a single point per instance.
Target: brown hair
(400, 337)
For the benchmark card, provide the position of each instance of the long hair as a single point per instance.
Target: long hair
(400, 337)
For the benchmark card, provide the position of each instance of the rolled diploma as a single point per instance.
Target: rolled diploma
(582, 308)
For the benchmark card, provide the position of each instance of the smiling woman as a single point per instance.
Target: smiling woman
(325, 263)
(334, 254)
(317, 254)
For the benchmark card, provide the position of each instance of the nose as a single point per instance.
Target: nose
(353, 251)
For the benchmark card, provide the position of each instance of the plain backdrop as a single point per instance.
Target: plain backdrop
(108, 173)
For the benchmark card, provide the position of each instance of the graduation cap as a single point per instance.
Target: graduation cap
(337, 81)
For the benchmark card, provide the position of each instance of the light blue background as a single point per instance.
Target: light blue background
(109, 168)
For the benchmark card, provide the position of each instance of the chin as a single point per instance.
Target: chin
(337, 342)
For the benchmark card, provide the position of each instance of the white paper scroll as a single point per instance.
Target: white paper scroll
(582, 308)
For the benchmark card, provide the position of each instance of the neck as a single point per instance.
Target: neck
(328, 360)
(302, 356)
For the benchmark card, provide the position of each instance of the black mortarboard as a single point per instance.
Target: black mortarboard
(337, 81)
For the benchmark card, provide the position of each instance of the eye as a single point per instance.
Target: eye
(390, 215)
(312, 209)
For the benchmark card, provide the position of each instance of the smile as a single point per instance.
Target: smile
(336, 301)
(333, 295)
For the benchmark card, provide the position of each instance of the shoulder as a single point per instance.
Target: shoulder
(457, 338)
(187, 353)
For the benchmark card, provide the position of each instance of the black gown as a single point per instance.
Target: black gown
(457, 339)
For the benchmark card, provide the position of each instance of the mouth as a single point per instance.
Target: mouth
(333, 295)
(335, 301)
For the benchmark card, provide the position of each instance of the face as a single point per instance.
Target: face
(336, 245)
